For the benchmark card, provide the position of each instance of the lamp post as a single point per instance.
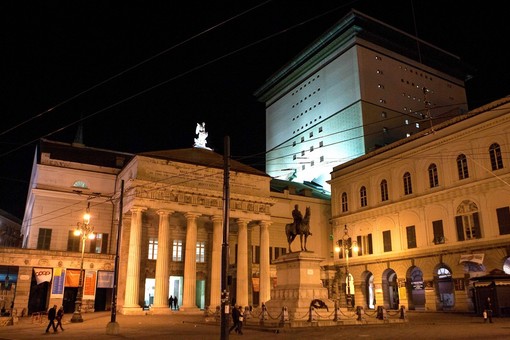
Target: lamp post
(86, 231)
(346, 246)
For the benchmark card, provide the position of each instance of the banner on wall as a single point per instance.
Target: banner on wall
(43, 275)
(72, 278)
(105, 279)
(89, 284)
(59, 277)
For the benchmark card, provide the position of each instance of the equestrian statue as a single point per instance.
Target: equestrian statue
(300, 226)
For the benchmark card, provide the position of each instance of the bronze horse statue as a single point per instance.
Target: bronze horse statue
(302, 229)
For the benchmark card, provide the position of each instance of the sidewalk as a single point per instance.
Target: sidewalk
(420, 325)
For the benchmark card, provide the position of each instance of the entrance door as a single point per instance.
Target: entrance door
(200, 295)
(176, 288)
(38, 300)
(150, 285)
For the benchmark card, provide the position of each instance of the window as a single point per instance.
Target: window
(437, 228)
(387, 240)
(255, 256)
(345, 206)
(44, 239)
(99, 244)
(200, 258)
(363, 196)
(80, 184)
(467, 221)
(503, 220)
(365, 245)
(177, 251)
(433, 179)
(411, 236)
(495, 154)
(73, 241)
(344, 245)
(153, 249)
(408, 187)
(279, 252)
(462, 166)
(384, 190)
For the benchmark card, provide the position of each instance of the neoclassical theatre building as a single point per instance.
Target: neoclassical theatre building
(171, 229)
(429, 214)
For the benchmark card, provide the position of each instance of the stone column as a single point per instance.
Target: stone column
(132, 297)
(215, 296)
(265, 271)
(190, 265)
(242, 263)
(161, 290)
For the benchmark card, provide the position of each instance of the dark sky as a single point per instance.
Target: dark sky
(142, 74)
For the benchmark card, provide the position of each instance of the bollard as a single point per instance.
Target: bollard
(310, 314)
(379, 313)
(358, 312)
(285, 314)
(336, 311)
(402, 312)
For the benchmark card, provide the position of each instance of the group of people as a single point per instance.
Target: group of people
(237, 319)
(53, 315)
(172, 302)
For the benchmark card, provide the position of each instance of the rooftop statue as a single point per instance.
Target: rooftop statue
(201, 141)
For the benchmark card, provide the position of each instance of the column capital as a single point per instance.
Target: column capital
(164, 212)
(217, 218)
(244, 221)
(191, 215)
(138, 209)
(265, 224)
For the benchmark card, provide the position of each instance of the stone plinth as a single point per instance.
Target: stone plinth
(299, 283)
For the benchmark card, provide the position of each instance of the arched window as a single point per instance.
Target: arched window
(495, 154)
(462, 166)
(433, 179)
(345, 206)
(408, 187)
(363, 196)
(384, 190)
(467, 221)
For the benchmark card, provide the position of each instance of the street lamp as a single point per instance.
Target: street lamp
(86, 231)
(347, 246)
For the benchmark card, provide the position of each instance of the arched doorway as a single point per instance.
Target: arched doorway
(445, 288)
(368, 289)
(390, 289)
(415, 289)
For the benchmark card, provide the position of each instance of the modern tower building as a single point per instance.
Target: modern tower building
(361, 85)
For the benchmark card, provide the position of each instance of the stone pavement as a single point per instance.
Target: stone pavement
(419, 325)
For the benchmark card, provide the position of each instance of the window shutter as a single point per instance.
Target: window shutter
(460, 228)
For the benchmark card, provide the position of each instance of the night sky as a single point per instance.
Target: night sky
(140, 75)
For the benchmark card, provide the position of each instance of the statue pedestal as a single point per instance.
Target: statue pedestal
(299, 283)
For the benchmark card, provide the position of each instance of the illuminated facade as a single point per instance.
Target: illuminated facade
(428, 213)
(359, 86)
(171, 231)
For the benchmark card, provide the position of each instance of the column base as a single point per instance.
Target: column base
(161, 310)
(132, 310)
(190, 309)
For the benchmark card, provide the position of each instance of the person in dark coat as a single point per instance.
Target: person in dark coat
(60, 315)
(241, 320)
(488, 308)
(175, 303)
(171, 302)
(235, 319)
(52, 314)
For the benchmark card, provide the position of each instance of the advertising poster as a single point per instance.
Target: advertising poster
(89, 284)
(59, 277)
(72, 278)
(105, 279)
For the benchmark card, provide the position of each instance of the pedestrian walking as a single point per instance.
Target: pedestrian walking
(175, 303)
(59, 317)
(171, 302)
(52, 314)
(235, 319)
(241, 320)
